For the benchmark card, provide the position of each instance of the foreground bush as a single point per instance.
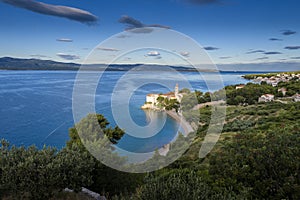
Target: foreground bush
(29, 173)
(181, 184)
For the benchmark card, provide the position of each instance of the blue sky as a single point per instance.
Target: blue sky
(240, 30)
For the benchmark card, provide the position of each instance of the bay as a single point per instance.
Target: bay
(36, 106)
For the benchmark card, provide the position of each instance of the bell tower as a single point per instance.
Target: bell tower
(176, 90)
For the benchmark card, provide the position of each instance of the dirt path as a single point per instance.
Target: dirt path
(197, 107)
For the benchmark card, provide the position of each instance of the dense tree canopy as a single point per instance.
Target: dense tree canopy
(31, 173)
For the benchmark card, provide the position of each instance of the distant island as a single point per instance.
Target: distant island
(8, 63)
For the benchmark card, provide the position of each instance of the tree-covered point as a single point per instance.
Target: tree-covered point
(88, 130)
(105, 180)
(31, 173)
(167, 104)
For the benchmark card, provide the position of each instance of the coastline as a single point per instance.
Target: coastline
(183, 123)
(187, 128)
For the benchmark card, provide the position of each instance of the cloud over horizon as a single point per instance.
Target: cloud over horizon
(262, 58)
(185, 54)
(292, 47)
(54, 10)
(225, 57)
(107, 49)
(39, 56)
(68, 56)
(122, 36)
(255, 51)
(153, 53)
(295, 58)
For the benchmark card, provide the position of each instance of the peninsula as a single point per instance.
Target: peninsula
(170, 103)
(161, 101)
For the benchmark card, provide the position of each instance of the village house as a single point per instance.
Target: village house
(283, 91)
(275, 80)
(266, 98)
(296, 97)
(240, 86)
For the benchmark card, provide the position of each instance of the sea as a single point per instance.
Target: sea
(36, 106)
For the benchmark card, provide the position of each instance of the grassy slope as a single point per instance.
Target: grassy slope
(237, 117)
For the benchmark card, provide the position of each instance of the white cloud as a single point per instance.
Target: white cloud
(153, 53)
(185, 53)
(64, 40)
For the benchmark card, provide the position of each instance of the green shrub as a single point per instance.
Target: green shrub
(31, 173)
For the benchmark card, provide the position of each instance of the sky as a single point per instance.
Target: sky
(229, 31)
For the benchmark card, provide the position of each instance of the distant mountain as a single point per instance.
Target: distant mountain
(8, 63)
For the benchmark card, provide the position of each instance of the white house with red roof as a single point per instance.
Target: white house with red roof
(151, 99)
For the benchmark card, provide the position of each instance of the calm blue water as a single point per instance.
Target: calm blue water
(36, 107)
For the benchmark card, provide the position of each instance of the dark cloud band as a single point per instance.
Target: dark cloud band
(134, 25)
(272, 53)
(288, 32)
(255, 51)
(211, 48)
(225, 57)
(64, 40)
(275, 39)
(107, 49)
(262, 58)
(54, 10)
(292, 47)
(68, 56)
